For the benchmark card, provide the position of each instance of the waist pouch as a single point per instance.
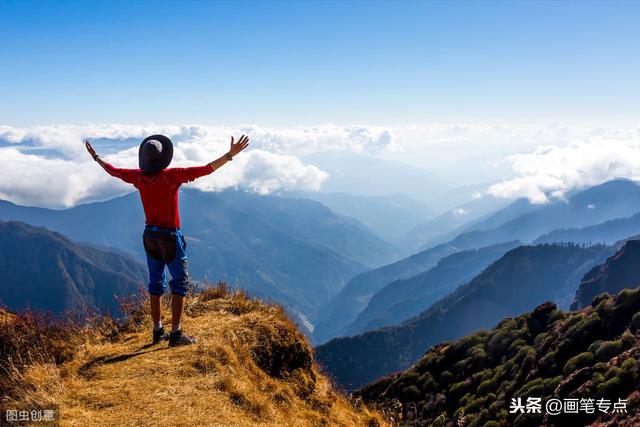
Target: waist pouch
(161, 244)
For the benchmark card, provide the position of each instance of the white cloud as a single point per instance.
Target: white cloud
(542, 161)
(301, 141)
(549, 172)
(265, 173)
(49, 166)
(33, 180)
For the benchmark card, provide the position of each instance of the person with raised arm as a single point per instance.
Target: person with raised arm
(164, 243)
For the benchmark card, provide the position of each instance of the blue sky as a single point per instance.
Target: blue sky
(304, 63)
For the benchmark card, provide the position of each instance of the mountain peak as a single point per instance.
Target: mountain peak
(611, 188)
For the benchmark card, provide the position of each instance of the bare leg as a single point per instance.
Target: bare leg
(177, 304)
(156, 310)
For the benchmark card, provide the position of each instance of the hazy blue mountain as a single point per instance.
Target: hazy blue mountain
(306, 219)
(519, 281)
(607, 232)
(618, 272)
(293, 251)
(388, 216)
(505, 214)
(338, 313)
(448, 225)
(43, 270)
(403, 299)
(364, 175)
(611, 200)
(518, 221)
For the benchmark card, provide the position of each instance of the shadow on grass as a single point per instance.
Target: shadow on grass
(86, 369)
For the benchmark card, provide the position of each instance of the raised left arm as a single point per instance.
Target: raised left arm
(129, 176)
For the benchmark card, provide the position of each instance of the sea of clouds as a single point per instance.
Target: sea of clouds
(49, 166)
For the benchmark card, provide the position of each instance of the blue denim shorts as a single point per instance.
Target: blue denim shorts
(166, 247)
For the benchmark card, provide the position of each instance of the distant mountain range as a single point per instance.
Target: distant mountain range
(448, 225)
(403, 299)
(607, 232)
(523, 278)
(341, 310)
(595, 205)
(620, 271)
(43, 270)
(521, 220)
(293, 251)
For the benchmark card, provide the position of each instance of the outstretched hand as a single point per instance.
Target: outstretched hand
(90, 148)
(237, 147)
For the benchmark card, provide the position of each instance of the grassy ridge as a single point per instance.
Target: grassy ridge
(251, 366)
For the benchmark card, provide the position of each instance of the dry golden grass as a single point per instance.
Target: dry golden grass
(251, 367)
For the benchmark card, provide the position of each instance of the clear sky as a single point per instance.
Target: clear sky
(301, 63)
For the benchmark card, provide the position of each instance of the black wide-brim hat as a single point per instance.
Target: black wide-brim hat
(155, 154)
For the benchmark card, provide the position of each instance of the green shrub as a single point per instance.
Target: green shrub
(539, 339)
(487, 386)
(524, 390)
(478, 377)
(462, 365)
(607, 349)
(585, 327)
(410, 377)
(472, 406)
(426, 382)
(610, 388)
(630, 363)
(597, 379)
(614, 371)
(515, 345)
(577, 362)
(606, 307)
(628, 297)
(599, 298)
(572, 320)
(550, 384)
(538, 390)
(548, 362)
(593, 348)
(556, 315)
(627, 339)
(629, 373)
(459, 388)
(411, 394)
(445, 378)
(477, 353)
(461, 347)
(499, 342)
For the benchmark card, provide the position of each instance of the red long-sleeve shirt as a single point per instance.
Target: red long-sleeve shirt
(159, 193)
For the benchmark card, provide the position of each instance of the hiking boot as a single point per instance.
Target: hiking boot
(179, 338)
(160, 335)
